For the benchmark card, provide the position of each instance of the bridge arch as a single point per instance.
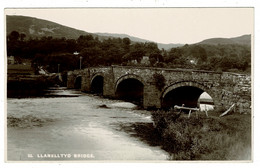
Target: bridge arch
(130, 87)
(97, 83)
(184, 92)
(77, 82)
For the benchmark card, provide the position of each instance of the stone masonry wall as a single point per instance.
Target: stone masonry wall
(85, 80)
(236, 88)
(107, 73)
(225, 88)
(72, 75)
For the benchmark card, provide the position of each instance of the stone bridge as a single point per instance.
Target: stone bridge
(170, 87)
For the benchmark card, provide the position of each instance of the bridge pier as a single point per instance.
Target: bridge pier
(108, 88)
(71, 80)
(151, 97)
(85, 84)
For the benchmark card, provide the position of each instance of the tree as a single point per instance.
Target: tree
(13, 36)
(92, 56)
(202, 55)
(151, 48)
(114, 55)
(155, 57)
(126, 44)
(137, 52)
(85, 41)
(14, 44)
(126, 41)
(71, 45)
(215, 62)
(174, 55)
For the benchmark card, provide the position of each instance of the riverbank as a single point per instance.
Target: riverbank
(22, 86)
(204, 138)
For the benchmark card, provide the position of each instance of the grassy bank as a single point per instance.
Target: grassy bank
(204, 138)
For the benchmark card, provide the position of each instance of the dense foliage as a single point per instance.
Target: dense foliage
(50, 52)
(204, 138)
(159, 81)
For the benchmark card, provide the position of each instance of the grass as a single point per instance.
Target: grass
(204, 138)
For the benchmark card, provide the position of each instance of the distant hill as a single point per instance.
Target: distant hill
(136, 39)
(37, 28)
(243, 40)
(114, 35)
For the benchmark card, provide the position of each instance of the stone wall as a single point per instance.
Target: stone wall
(71, 77)
(236, 88)
(225, 88)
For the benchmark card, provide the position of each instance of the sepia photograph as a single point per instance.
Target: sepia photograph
(129, 84)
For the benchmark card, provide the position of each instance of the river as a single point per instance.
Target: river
(76, 128)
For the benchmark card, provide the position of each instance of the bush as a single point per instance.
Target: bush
(212, 138)
(159, 81)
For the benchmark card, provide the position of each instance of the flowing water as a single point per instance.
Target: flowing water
(76, 127)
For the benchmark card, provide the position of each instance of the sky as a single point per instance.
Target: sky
(162, 25)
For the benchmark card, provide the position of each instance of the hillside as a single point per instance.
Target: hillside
(243, 40)
(136, 39)
(114, 35)
(37, 28)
